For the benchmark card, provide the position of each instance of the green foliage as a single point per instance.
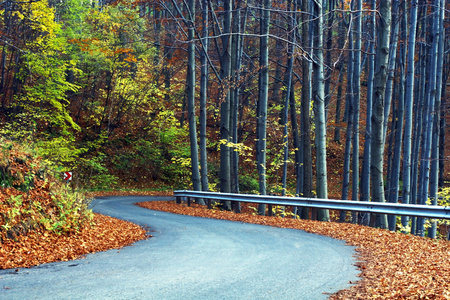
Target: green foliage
(174, 156)
(44, 69)
(23, 128)
(71, 210)
(248, 184)
(31, 197)
(18, 166)
(94, 173)
(10, 215)
(443, 200)
(59, 151)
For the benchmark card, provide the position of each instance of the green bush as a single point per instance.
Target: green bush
(248, 184)
(32, 197)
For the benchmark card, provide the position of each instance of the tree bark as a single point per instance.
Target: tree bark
(381, 68)
(225, 181)
(191, 100)
(365, 172)
(356, 103)
(430, 114)
(409, 100)
(203, 98)
(262, 100)
(319, 110)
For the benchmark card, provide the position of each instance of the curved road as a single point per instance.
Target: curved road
(192, 258)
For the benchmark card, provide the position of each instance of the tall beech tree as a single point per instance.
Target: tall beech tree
(262, 101)
(190, 90)
(225, 132)
(429, 113)
(306, 163)
(409, 100)
(397, 120)
(203, 97)
(318, 95)
(434, 176)
(381, 69)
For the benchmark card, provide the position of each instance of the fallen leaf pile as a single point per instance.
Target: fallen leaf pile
(393, 265)
(40, 246)
(128, 193)
(42, 220)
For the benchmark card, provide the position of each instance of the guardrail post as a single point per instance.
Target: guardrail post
(178, 200)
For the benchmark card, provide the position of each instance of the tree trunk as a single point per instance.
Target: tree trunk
(262, 100)
(365, 172)
(356, 103)
(319, 111)
(203, 98)
(290, 67)
(409, 100)
(391, 65)
(434, 180)
(381, 60)
(350, 120)
(395, 172)
(191, 100)
(340, 67)
(429, 114)
(329, 69)
(225, 181)
(306, 154)
(236, 54)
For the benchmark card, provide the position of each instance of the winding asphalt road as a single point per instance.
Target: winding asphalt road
(192, 258)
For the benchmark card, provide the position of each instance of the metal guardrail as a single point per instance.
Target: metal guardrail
(426, 211)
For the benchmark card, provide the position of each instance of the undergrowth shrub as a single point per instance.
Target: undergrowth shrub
(31, 198)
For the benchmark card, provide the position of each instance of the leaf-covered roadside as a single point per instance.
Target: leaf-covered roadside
(43, 220)
(41, 247)
(393, 265)
(31, 196)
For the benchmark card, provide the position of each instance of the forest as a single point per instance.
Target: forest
(314, 98)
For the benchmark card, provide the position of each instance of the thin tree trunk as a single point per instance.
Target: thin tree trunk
(350, 120)
(409, 100)
(391, 65)
(203, 98)
(395, 175)
(225, 181)
(356, 103)
(306, 176)
(434, 181)
(191, 100)
(430, 114)
(262, 100)
(157, 28)
(329, 70)
(289, 71)
(443, 125)
(365, 172)
(340, 67)
(394, 178)
(297, 145)
(235, 91)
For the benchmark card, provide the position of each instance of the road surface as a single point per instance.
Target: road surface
(192, 258)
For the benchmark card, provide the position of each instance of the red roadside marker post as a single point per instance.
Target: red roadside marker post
(68, 176)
